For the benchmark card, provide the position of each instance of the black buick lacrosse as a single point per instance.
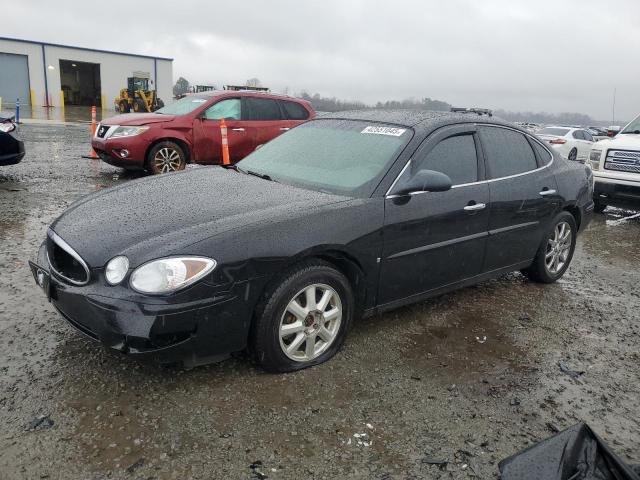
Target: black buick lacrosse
(342, 217)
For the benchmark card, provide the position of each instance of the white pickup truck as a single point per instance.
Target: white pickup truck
(616, 168)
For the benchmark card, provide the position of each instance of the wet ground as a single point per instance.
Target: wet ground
(443, 389)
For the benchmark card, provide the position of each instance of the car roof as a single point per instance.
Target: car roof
(243, 93)
(412, 118)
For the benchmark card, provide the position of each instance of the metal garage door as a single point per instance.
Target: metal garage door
(14, 79)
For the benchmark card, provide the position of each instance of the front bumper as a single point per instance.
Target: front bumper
(616, 192)
(195, 332)
(11, 149)
(109, 151)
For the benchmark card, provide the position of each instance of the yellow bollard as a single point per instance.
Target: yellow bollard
(62, 100)
(0, 104)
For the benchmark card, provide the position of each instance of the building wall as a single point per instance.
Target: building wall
(114, 70)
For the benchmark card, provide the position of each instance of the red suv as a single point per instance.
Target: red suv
(188, 130)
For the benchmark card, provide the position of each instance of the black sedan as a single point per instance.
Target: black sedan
(11, 147)
(341, 217)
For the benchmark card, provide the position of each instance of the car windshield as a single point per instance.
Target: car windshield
(185, 105)
(344, 157)
(558, 132)
(633, 127)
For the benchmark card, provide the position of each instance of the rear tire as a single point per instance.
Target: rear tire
(124, 107)
(304, 319)
(555, 251)
(166, 157)
(573, 154)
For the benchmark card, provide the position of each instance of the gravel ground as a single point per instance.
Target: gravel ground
(442, 389)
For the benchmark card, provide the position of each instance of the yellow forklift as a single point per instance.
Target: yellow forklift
(137, 97)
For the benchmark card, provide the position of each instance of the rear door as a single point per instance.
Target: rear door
(208, 138)
(523, 197)
(294, 114)
(264, 119)
(433, 239)
(585, 141)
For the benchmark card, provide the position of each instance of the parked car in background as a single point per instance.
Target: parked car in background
(11, 147)
(188, 130)
(348, 215)
(616, 168)
(570, 142)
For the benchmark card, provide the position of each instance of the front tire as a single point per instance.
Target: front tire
(303, 320)
(166, 157)
(556, 250)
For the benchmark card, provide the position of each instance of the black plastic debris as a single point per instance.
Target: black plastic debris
(573, 454)
(564, 368)
(135, 465)
(41, 422)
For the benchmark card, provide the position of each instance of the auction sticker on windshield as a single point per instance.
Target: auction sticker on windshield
(394, 132)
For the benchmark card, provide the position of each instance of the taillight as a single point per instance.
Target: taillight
(558, 141)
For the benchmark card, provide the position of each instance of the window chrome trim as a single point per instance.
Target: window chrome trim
(67, 248)
(490, 180)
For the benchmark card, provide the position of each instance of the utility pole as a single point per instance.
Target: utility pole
(613, 112)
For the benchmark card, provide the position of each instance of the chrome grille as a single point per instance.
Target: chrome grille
(623, 161)
(622, 168)
(65, 261)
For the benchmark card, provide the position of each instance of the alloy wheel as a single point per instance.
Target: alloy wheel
(310, 323)
(167, 160)
(558, 248)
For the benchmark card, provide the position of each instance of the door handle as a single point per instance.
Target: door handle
(546, 193)
(284, 129)
(239, 129)
(475, 207)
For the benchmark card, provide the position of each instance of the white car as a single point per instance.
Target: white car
(571, 143)
(616, 168)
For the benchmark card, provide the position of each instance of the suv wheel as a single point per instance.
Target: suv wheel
(573, 154)
(304, 320)
(166, 157)
(556, 250)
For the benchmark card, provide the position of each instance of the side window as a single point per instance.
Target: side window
(228, 109)
(294, 111)
(507, 152)
(587, 136)
(578, 135)
(453, 156)
(262, 109)
(542, 152)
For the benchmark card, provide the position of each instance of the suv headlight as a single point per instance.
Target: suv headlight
(7, 127)
(128, 131)
(167, 275)
(594, 158)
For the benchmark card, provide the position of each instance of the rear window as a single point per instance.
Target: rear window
(507, 152)
(294, 110)
(558, 132)
(262, 109)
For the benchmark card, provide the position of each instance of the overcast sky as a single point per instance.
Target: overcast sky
(538, 55)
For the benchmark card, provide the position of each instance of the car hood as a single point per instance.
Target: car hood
(163, 215)
(135, 119)
(626, 141)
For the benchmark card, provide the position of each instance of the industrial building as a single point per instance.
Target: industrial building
(52, 75)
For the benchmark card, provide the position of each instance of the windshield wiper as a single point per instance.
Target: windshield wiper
(264, 176)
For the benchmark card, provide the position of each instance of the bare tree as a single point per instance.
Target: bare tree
(253, 82)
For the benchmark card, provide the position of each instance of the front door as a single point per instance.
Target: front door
(208, 139)
(434, 239)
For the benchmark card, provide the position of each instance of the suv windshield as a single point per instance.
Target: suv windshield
(633, 127)
(184, 105)
(344, 157)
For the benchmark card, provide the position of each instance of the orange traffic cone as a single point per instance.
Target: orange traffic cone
(225, 143)
(93, 153)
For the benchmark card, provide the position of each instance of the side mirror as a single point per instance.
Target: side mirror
(425, 181)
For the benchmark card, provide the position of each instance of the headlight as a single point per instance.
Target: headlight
(170, 274)
(7, 127)
(594, 158)
(116, 269)
(128, 131)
